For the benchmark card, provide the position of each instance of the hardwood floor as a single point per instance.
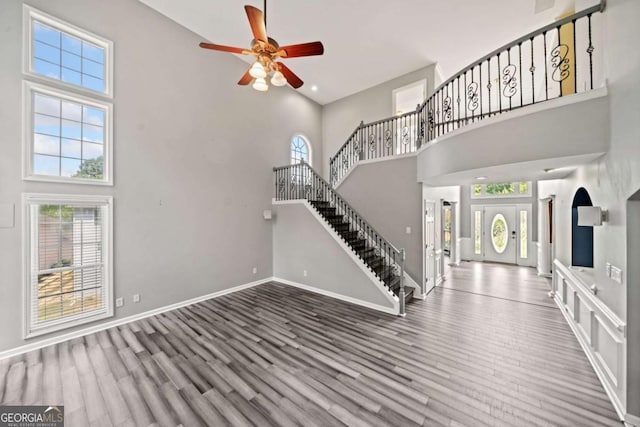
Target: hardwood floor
(278, 355)
(500, 280)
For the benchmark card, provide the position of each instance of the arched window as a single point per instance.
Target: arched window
(581, 236)
(300, 150)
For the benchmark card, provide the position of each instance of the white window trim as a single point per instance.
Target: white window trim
(515, 195)
(28, 199)
(308, 144)
(27, 139)
(29, 14)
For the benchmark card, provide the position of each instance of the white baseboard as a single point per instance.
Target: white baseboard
(118, 322)
(388, 310)
(631, 420)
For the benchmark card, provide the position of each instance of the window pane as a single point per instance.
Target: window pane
(69, 60)
(499, 233)
(46, 53)
(92, 52)
(45, 144)
(68, 146)
(46, 124)
(71, 44)
(46, 105)
(69, 167)
(477, 189)
(71, 148)
(46, 69)
(46, 165)
(478, 232)
(93, 68)
(524, 187)
(46, 34)
(93, 83)
(71, 129)
(93, 116)
(71, 111)
(92, 133)
(71, 76)
(91, 150)
(61, 56)
(523, 234)
(92, 168)
(500, 188)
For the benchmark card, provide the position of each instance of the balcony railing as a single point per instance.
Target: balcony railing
(557, 60)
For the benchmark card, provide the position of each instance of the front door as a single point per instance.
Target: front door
(500, 234)
(429, 245)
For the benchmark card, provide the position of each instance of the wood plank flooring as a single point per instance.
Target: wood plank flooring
(500, 280)
(281, 356)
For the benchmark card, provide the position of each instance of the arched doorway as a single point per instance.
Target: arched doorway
(581, 236)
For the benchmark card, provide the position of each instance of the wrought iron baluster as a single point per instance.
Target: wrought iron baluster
(546, 71)
(520, 71)
(575, 59)
(590, 52)
(533, 70)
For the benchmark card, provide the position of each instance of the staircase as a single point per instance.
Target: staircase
(301, 181)
(367, 253)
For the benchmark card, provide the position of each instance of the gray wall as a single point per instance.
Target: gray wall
(389, 198)
(300, 242)
(341, 117)
(613, 179)
(193, 158)
(466, 201)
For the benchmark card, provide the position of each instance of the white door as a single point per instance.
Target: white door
(429, 245)
(500, 234)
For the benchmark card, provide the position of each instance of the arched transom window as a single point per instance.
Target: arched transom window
(300, 150)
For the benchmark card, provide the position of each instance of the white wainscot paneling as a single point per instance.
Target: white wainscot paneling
(601, 332)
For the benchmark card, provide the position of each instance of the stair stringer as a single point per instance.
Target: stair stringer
(377, 282)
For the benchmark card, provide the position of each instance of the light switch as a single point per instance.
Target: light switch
(7, 215)
(616, 274)
(408, 230)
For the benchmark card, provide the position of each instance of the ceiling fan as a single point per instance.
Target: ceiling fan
(267, 53)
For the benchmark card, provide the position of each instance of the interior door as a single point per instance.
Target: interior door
(500, 234)
(429, 245)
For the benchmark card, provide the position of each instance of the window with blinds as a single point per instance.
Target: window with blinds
(69, 258)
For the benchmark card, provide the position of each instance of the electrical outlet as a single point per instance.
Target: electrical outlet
(119, 302)
(304, 273)
(255, 270)
(607, 269)
(136, 297)
(616, 274)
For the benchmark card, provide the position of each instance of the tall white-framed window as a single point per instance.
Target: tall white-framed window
(68, 276)
(300, 149)
(66, 137)
(57, 51)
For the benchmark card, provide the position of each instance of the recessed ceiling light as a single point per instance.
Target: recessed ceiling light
(547, 170)
(314, 88)
(481, 178)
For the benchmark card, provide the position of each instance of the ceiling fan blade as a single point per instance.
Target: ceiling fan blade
(256, 21)
(292, 79)
(302, 49)
(246, 78)
(224, 48)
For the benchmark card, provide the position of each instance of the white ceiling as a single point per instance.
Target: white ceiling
(368, 42)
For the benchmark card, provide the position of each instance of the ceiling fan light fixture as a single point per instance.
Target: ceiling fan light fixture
(260, 85)
(278, 79)
(257, 71)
